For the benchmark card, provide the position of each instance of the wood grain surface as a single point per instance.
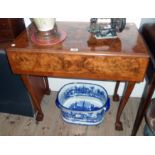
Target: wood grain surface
(122, 59)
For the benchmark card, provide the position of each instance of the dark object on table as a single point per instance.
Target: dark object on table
(108, 29)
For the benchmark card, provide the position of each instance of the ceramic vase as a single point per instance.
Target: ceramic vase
(44, 24)
(46, 33)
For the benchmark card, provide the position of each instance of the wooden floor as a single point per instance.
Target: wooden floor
(54, 125)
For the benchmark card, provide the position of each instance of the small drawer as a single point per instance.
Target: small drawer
(5, 35)
(4, 24)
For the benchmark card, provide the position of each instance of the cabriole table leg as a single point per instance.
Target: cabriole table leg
(37, 88)
(128, 89)
(116, 96)
(47, 90)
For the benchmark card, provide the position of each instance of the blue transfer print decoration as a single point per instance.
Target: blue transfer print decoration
(83, 103)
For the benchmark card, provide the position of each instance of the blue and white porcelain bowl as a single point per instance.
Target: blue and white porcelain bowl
(83, 103)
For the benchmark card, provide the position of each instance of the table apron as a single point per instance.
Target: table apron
(99, 67)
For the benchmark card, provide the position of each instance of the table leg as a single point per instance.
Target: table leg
(127, 91)
(36, 88)
(47, 90)
(144, 103)
(116, 96)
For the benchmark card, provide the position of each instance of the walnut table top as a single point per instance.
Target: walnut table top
(82, 56)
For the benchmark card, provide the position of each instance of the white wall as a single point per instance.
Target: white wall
(57, 83)
(137, 21)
